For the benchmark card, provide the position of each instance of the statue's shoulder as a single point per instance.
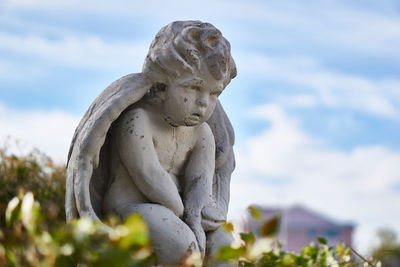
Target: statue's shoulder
(204, 134)
(134, 113)
(133, 120)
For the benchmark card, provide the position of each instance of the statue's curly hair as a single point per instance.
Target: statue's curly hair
(188, 46)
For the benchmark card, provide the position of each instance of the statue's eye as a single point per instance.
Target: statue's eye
(215, 93)
(191, 87)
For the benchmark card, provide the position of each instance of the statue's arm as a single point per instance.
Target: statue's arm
(198, 181)
(137, 153)
(199, 172)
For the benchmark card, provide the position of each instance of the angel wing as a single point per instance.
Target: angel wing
(87, 168)
(88, 140)
(215, 213)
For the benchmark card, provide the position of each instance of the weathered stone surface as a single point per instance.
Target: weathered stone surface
(159, 143)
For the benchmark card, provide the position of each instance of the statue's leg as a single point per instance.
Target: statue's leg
(216, 239)
(171, 237)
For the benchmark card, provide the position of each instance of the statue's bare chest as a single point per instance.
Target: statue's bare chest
(174, 149)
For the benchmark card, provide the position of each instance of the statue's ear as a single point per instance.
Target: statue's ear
(160, 90)
(161, 95)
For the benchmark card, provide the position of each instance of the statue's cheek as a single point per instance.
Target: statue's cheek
(211, 106)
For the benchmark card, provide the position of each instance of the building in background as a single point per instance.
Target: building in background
(299, 226)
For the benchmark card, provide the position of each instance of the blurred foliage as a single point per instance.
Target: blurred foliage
(255, 212)
(388, 251)
(24, 241)
(33, 172)
(266, 251)
(33, 234)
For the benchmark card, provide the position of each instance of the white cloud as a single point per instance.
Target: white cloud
(49, 131)
(158, 10)
(12, 70)
(325, 87)
(334, 25)
(89, 51)
(329, 23)
(284, 165)
(370, 31)
(299, 100)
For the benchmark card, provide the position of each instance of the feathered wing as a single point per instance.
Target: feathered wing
(88, 141)
(224, 166)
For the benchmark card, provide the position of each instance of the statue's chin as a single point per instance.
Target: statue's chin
(188, 121)
(192, 121)
(191, 124)
(171, 122)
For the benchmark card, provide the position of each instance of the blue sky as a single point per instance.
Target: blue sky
(315, 105)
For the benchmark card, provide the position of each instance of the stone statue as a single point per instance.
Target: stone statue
(159, 143)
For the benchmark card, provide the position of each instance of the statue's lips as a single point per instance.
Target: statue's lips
(195, 117)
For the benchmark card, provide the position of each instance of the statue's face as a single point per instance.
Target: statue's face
(191, 99)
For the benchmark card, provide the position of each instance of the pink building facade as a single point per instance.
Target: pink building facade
(299, 226)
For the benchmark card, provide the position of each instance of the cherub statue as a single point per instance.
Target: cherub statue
(159, 143)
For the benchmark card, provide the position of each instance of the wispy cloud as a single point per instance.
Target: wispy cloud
(49, 131)
(11, 71)
(325, 87)
(91, 51)
(330, 24)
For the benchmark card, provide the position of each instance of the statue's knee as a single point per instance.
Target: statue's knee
(171, 237)
(173, 244)
(187, 246)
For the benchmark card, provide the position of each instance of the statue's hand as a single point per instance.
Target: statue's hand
(201, 238)
(175, 206)
(174, 202)
(213, 213)
(212, 218)
(194, 222)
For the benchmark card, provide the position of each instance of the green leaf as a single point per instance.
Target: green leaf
(228, 227)
(322, 240)
(137, 233)
(113, 257)
(255, 212)
(227, 253)
(28, 218)
(13, 211)
(270, 227)
(310, 251)
(248, 238)
(288, 260)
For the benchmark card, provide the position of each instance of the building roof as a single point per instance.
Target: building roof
(299, 216)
